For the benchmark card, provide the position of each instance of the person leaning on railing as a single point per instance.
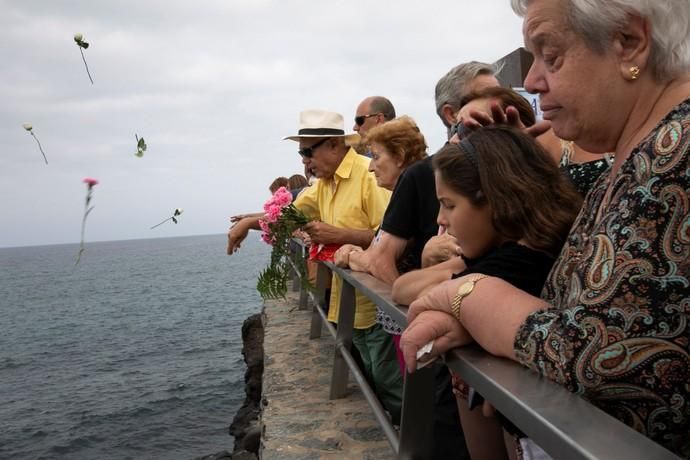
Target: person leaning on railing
(510, 209)
(612, 320)
(394, 146)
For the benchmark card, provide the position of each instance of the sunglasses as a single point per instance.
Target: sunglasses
(308, 152)
(360, 119)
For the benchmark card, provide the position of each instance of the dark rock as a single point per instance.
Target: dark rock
(252, 439)
(243, 423)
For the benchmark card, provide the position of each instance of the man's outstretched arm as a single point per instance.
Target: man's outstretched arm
(239, 231)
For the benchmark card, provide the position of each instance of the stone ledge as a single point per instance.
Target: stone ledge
(299, 420)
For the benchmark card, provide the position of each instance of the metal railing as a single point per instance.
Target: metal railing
(565, 425)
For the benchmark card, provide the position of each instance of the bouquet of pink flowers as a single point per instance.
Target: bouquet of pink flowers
(281, 220)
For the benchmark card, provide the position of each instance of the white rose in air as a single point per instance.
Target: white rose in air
(27, 126)
(78, 37)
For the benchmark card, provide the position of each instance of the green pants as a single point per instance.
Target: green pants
(381, 364)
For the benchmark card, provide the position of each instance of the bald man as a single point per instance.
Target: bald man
(371, 112)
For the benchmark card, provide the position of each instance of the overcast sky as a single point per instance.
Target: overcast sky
(213, 86)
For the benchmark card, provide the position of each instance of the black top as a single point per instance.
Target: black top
(524, 268)
(412, 211)
(583, 175)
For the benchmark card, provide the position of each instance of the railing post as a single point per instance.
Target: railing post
(416, 421)
(303, 292)
(323, 274)
(296, 255)
(343, 339)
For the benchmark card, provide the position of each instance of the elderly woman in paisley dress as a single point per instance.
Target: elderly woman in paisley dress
(612, 323)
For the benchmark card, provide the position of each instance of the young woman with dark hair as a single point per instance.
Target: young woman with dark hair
(510, 208)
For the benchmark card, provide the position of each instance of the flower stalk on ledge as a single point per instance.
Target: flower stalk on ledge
(29, 127)
(177, 212)
(79, 39)
(281, 220)
(90, 183)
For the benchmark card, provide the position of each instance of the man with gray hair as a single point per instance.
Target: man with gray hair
(457, 83)
(372, 111)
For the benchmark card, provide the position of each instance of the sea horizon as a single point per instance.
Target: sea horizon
(86, 243)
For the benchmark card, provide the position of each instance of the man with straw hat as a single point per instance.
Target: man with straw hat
(346, 206)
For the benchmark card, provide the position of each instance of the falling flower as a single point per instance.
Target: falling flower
(79, 39)
(90, 183)
(177, 212)
(29, 127)
(141, 146)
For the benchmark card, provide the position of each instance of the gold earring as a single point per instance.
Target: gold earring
(634, 72)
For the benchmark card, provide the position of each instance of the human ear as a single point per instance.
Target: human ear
(632, 45)
(448, 114)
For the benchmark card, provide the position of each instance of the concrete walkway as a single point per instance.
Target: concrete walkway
(300, 422)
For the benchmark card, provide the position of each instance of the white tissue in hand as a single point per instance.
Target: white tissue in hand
(423, 351)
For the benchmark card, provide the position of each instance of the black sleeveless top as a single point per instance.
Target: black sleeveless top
(582, 175)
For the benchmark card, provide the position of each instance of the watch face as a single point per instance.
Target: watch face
(466, 288)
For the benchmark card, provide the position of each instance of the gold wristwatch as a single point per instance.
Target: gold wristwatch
(464, 290)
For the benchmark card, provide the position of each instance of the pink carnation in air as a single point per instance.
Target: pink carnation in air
(90, 181)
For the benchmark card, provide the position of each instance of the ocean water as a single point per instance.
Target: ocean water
(134, 353)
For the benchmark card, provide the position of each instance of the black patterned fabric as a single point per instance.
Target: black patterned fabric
(582, 175)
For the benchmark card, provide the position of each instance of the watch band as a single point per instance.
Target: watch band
(464, 290)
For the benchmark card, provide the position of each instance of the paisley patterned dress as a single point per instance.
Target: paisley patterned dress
(619, 331)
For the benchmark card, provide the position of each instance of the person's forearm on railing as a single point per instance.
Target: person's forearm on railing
(379, 259)
(494, 313)
(490, 315)
(411, 285)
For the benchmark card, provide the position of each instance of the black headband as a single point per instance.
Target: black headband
(470, 151)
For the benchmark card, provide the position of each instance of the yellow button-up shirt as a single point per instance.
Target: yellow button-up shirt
(351, 199)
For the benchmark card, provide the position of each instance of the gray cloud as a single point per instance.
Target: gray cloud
(212, 86)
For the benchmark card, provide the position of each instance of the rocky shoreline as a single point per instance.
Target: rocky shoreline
(245, 426)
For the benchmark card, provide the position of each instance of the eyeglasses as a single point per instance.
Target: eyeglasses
(308, 152)
(360, 119)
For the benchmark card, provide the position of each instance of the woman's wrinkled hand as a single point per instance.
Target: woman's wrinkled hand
(342, 255)
(438, 298)
(445, 331)
(473, 119)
